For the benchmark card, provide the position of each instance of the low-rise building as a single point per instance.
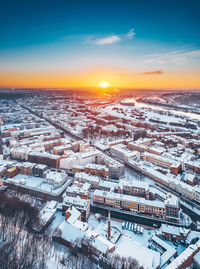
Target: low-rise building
(194, 165)
(132, 203)
(122, 152)
(82, 191)
(96, 169)
(186, 258)
(174, 166)
(172, 208)
(134, 187)
(173, 232)
(39, 169)
(82, 205)
(44, 158)
(84, 177)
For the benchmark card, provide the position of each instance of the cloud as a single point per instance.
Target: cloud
(108, 40)
(130, 34)
(105, 41)
(156, 72)
(173, 57)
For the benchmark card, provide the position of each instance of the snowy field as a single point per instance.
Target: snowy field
(149, 112)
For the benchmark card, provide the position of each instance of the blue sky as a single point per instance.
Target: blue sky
(26, 23)
(126, 36)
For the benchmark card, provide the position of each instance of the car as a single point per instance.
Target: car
(155, 225)
(141, 230)
(135, 227)
(132, 227)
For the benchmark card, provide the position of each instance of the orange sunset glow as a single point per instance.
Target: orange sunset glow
(92, 79)
(103, 84)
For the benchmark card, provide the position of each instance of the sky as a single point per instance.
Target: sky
(80, 43)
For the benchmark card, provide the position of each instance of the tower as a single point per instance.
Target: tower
(109, 231)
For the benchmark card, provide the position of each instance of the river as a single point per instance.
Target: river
(188, 114)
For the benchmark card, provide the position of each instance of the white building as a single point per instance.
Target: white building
(54, 177)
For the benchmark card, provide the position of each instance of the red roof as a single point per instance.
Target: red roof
(12, 129)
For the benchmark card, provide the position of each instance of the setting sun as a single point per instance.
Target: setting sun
(104, 84)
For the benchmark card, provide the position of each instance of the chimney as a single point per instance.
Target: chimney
(109, 232)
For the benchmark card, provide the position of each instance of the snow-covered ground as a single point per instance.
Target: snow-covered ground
(60, 257)
(150, 112)
(130, 174)
(129, 240)
(101, 226)
(58, 219)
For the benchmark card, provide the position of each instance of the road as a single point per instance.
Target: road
(194, 216)
(129, 216)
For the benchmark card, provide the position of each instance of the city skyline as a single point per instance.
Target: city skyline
(128, 44)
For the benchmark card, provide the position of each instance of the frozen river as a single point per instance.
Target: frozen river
(179, 112)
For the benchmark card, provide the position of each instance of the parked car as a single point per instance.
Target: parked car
(132, 227)
(155, 225)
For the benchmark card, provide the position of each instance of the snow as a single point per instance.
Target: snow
(184, 256)
(86, 177)
(170, 229)
(172, 200)
(169, 250)
(81, 225)
(192, 235)
(77, 201)
(129, 248)
(74, 214)
(157, 191)
(134, 183)
(197, 257)
(128, 198)
(30, 181)
(55, 177)
(125, 245)
(48, 211)
(149, 111)
(58, 219)
(101, 228)
(46, 187)
(96, 166)
(102, 244)
(70, 232)
(37, 183)
(101, 146)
